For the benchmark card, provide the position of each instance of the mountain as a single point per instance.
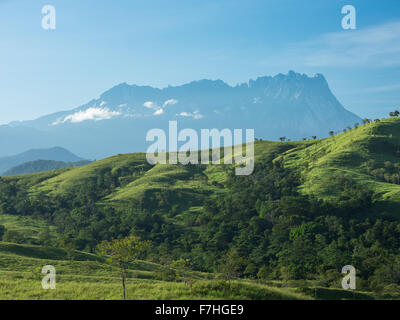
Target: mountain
(42, 165)
(293, 105)
(55, 154)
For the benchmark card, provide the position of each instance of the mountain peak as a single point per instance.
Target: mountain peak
(292, 105)
(53, 153)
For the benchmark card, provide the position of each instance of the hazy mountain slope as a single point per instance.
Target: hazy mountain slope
(292, 105)
(55, 153)
(42, 165)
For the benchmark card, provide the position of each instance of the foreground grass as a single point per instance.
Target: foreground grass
(88, 278)
(14, 286)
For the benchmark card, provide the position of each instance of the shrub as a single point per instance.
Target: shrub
(13, 236)
(2, 231)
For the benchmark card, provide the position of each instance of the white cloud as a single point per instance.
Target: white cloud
(158, 112)
(150, 105)
(153, 105)
(184, 114)
(170, 102)
(195, 115)
(159, 109)
(94, 114)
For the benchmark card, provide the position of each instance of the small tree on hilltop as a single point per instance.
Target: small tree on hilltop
(365, 121)
(282, 139)
(121, 253)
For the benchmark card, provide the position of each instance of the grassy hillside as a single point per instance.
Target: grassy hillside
(309, 208)
(88, 278)
(349, 154)
(317, 161)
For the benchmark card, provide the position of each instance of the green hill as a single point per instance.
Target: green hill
(319, 162)
(353, 154)
(309, 208)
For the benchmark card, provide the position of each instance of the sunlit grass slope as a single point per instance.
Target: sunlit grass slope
(88, 278)
(317, 161)
(348, 154)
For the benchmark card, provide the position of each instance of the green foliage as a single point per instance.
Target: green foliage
(308, 209)
(2, 231)
(166, 274)
(13, 236)
(121, 253)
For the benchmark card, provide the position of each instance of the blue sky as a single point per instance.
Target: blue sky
(98, 44)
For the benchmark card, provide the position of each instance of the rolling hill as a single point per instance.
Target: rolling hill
(317, 161)
(309, 208)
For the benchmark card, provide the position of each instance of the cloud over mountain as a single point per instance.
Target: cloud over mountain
(293, 105)
(95, 114)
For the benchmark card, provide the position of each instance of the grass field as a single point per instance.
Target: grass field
(88, 278)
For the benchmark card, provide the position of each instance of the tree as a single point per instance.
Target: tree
(13, 236)
(2, 231)
(121, 253)
(231, 265)
(182, 266)
(251, 270)
(314, 137)
(331, 133)
(263, 273)
(282, 139)
(45, 236)
(69, 247)
(365, 121)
